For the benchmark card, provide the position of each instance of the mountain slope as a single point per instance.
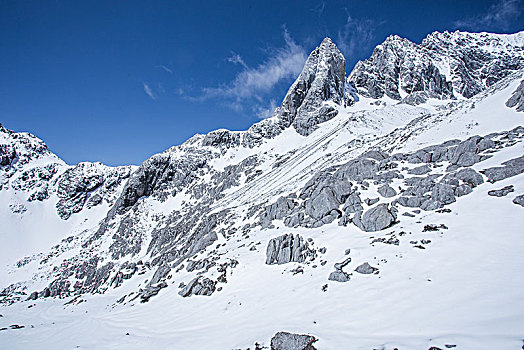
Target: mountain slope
(387, 204)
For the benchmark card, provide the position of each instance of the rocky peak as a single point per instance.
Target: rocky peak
(445, 65)
(321, 80)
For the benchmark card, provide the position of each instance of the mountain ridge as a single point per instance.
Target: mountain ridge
(332, 159)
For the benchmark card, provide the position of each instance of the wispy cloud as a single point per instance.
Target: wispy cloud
(265, 112)
(498, 16)
(319, 9)
(148, 91)
(355, 34)
(235, 58)
(252, 83)
(166, 69)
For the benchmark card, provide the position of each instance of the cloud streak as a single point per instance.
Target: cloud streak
(499, 15)
(235, 58)
(165, 69)
(251, 83)
(355, 34)
(148, 91)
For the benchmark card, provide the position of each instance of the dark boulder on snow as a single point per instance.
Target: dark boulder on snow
(291, 341)
(519, 200)
(366, 269)
(501, 192)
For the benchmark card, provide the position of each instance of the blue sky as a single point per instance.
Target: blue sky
(117, 81)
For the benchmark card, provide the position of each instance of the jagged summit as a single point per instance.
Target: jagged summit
(321, 80)
(445, 65)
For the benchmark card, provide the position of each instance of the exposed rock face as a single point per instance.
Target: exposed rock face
(502, 192)
(444, 65)
(198, 286)
(517, 98)
(291, 341)
(7, 154)
(288, 248)
(376, 218)
(321, 80)
(510, 168)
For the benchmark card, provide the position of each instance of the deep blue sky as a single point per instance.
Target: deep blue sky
(117, 81)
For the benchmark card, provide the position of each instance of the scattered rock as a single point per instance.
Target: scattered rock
(366, 269)
(502, 192)
(519, 200)
(291, 341)
(198, 286)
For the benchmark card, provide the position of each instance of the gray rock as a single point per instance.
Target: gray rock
(339, 276)
(322, 203)
(510, 168)
(339, 266)
(198, 286)
(519, 200)
(276, 211)
(291, 341)
(415, 98)
(517, 98)
(387, 191)
(366, 269)
(288, 248)
(322, 79)
(376, 218)
(371, 201)
(420, 170)
(443, 194)
(501, 192)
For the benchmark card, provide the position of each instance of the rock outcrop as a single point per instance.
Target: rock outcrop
(288, 248)
(321, 80)
(517, 98)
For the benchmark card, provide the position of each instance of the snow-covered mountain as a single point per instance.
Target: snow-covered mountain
(381, 210)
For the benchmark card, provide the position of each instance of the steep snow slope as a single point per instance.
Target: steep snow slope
(181, 252)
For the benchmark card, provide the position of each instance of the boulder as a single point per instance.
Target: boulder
(376, 218)
(519, 200)
(387, 191)
(501, 192)
(366, 269)
(291, 341)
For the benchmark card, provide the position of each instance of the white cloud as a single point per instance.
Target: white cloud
(252, 83)
(265, 112)
(499, 15)
(166, 69)
(235, 58)
(148, 91)
(355, 34)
